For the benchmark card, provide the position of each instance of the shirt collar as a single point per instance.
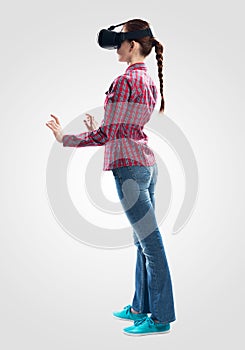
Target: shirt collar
(137, 65)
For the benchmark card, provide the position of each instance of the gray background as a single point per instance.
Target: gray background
(57, 293)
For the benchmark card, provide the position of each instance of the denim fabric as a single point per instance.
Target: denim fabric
(153, 287)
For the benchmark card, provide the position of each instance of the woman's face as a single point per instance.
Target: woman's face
(124, 52)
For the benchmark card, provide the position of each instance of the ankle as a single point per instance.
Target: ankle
(133, 311)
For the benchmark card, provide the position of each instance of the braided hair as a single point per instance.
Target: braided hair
(146, 45)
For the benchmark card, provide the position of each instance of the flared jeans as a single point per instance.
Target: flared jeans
(153, 287)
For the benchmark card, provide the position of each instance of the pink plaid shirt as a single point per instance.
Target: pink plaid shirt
(128, 106)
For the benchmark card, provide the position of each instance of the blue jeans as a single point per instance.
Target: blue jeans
(153, 287)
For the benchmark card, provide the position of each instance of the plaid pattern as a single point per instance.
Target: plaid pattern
(128, 106)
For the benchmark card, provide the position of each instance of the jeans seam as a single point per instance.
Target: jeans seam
(142, 288)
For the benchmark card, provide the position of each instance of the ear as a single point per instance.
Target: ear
(132, 43)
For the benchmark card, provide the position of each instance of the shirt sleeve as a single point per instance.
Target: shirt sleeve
(115, 107)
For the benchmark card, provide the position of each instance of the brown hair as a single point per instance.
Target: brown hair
(146, 44)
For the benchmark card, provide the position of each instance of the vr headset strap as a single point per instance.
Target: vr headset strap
(136, 34)
(133, 35)
(118, 25)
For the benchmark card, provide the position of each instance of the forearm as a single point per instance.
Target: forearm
(115, 110)
(92, 138)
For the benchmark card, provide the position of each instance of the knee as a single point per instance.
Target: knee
(138, 245)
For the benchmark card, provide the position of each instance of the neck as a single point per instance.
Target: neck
(136, 60)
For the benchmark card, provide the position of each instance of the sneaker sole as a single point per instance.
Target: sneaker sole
(139, 334)
(124, 319)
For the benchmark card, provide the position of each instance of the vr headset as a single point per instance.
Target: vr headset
(110, 40)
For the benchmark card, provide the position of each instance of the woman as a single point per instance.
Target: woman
(128, 106)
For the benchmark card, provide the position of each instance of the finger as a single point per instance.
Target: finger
(88, 119)
(50, 127)
(53, 125)
(50, 123)
(56, 119)
(89, 115)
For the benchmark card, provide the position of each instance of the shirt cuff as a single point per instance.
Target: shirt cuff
(65, 140)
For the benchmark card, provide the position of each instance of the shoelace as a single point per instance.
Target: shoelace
(145, 319)
(128, 307)
(128, 311)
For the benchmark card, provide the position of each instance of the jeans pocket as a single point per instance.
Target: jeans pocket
(140, 173)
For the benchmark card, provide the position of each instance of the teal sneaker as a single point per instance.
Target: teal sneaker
(147, 326)
(126, 314)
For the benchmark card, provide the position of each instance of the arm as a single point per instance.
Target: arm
(114, 110)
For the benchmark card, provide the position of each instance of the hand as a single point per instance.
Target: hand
(55, 126)
(90, 122)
